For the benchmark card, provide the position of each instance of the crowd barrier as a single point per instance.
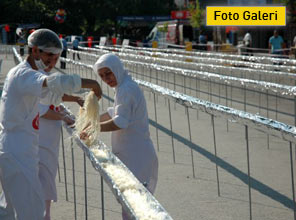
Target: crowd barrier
(153, 210)
(213, 60)
(6, 49)
(266, 125)
(269, 95)
(274, 75)
(257, 58)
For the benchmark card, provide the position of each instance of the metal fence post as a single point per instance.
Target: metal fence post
(292, 179)
(171, 127)
(64, 162)
(215, 150)
(249, 177)
(74, 182)
(190, 138)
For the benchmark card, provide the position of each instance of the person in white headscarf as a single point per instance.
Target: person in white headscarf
(22, 197)
(128, 121)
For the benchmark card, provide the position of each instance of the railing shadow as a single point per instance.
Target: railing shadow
(255, 184)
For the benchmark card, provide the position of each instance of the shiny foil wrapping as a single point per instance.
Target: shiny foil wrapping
(268, 126)
(226, 59)
(256, 59)
(220, 68)
(229, 80)
(112, 159)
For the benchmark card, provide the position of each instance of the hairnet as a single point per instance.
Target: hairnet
(45, 40)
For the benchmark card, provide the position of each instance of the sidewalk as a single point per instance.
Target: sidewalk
(185, 197)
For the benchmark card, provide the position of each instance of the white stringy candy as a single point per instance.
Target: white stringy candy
(142, 207)
(89, 115)
(101, 155)
(121, 177)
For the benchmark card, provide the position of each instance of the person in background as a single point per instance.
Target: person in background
(248, 42)
(21, 43)
(202, 40)
(294, 46)
(75, 44)
(276, 43)
(64, 52)
(22, 194)
(128, 122)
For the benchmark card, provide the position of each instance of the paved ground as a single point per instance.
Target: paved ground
(185, 197)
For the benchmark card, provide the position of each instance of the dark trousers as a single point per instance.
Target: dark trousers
(77, 54)
(63, 54)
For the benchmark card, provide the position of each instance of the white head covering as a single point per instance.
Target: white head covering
(45, 40)
(114, 64)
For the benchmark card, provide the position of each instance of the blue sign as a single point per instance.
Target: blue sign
(143, 18)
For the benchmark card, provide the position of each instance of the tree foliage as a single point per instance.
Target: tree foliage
(196, 14)
(291, 9)
(83, 16)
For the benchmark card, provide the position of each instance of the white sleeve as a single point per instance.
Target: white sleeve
(64, 84)
(123, 110)
(52, 98)
(110, 111)
(30, 83)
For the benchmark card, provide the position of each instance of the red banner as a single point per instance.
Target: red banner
(89, 41)
(180, 14)
(7, 28)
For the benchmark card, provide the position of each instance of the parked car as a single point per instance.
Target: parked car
(170, 33)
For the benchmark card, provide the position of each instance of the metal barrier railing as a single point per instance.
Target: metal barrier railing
(243, 93)
(243, 72)
(200, 82)
(102, 167)
(256, 59)
(247, 120)
(152, 206)
(214, 60)
(6, 49)
(266, 125)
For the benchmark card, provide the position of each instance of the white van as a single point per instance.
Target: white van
(170, 33)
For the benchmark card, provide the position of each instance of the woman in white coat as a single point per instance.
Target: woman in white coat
(128, 121)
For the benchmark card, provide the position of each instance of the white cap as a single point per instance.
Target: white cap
(46, 40)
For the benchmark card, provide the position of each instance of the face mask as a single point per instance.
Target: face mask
(40, 65)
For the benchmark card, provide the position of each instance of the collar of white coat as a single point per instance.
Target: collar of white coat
(114, 64)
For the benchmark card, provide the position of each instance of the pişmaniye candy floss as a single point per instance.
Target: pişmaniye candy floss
(88, 119)
(143, 207)
(101, 155)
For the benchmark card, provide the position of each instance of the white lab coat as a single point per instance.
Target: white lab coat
(49, 141)
(19, 121)
(132, 143)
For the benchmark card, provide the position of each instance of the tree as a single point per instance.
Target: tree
(291, 8)
(83, 16)
(196, 14)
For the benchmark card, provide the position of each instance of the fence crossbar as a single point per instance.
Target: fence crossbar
(269, 126)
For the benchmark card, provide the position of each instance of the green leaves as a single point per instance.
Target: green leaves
(83, 16)
(196, 14)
